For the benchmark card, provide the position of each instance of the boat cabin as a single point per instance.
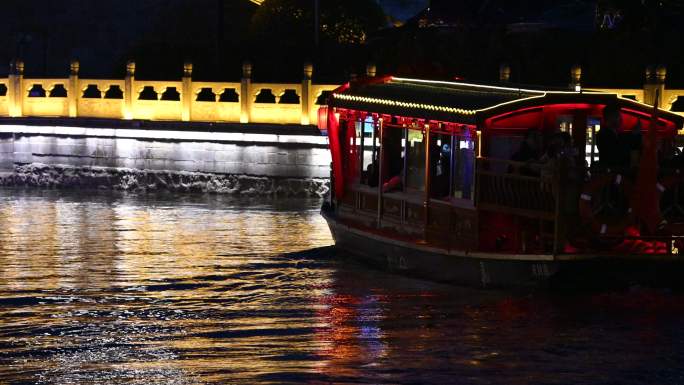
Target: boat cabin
(499, 169)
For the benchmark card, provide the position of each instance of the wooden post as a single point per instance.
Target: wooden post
(306, 98)
(74, 92)
(246, 93)
(381, 159)
(129, 91)
(557, 183)
(15, 91)
(454, 144)
(186, 94)
(477, 167)
(428, 180)
(361, 153)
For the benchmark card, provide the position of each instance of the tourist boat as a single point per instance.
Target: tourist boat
(423, 183)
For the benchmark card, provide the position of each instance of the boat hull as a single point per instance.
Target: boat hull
(466, 269)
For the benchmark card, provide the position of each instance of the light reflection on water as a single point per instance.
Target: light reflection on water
(100, 288)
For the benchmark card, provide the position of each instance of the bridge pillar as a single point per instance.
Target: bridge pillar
(15, 90)
(504, 73)
(655, 81)
(186, 94)
(306, 94)
(246, 93)
(576, 77)
(73, 93)
(371, 70)
(129, 97)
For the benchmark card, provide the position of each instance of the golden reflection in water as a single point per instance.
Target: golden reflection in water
(51, 245)
(17, 237)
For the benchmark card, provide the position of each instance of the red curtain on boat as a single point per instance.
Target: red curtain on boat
(335, 151)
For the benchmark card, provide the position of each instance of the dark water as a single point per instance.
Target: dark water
(100, 288)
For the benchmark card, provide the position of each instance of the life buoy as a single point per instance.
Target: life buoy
(600, 224)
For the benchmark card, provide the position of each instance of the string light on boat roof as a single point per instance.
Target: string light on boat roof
(461, 111)
(454, 110)
(468, 85)
(396, 103)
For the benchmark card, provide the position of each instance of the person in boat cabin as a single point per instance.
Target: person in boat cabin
(529, 148)
(559, 147)
(394, 161)
(617, 150)
(529, 151)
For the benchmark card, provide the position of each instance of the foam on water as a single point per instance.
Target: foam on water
(127, 179)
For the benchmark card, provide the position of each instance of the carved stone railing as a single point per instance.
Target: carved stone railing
(243, 101)
(655, 83)
(183, 100)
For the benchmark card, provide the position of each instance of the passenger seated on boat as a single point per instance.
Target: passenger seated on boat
(529, 151)
(617, 150)
(395, 183)
(440, 171)
(372, 174)
(559, 147)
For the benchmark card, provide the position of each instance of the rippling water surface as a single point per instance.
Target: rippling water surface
(102, 288)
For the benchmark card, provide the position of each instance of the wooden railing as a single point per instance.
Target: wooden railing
(518, 188)
(451, 224)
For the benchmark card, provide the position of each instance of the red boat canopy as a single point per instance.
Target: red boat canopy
(488, 106)
(492, 109)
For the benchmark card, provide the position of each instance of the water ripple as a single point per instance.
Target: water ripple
(103, 288)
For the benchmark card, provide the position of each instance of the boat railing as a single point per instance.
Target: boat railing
(526, 189)
(545, 199)
(445, 222)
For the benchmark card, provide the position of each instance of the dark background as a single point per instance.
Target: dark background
(444, 39)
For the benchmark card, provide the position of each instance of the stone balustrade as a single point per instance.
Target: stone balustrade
(243, 101)
(183, 100)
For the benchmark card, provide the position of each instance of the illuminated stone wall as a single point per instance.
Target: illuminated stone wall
(184, 100)
(216, 158)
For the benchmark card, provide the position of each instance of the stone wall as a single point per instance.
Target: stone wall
(247, 159)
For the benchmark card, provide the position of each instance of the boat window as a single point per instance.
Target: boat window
(367, 138)
(452, 165)
(441, 161)
(591, 150)
(393, 153)
(463, 165)
(415, 160)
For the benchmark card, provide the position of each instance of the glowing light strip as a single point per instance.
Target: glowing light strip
(205, 136)
(397, 103)
(461, 111)
(429, 106)
(511, 102)
(474, 85)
